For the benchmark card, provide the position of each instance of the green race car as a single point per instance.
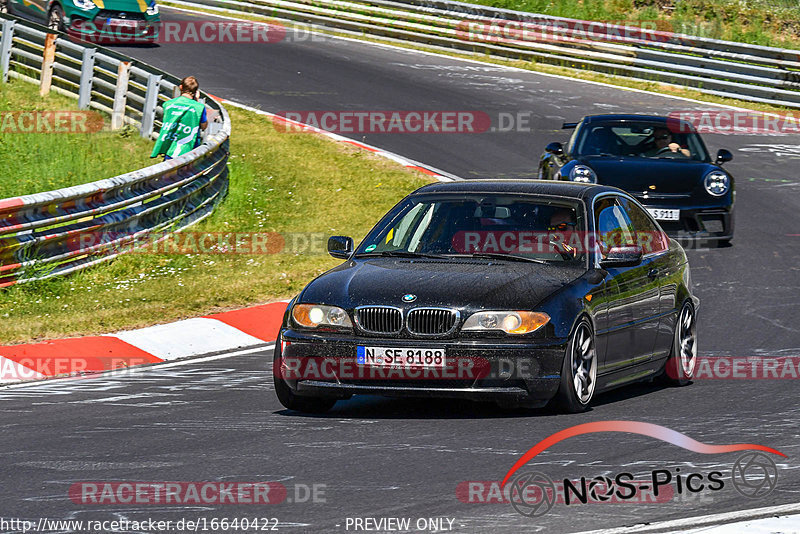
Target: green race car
(107, 21)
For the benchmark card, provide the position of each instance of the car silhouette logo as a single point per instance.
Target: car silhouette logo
(409, 298)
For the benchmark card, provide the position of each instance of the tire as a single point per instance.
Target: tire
(579, 371)
(55, 18)
(289, 399)
(682, 360)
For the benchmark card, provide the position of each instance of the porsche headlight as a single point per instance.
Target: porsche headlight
(717, 183)
(316, 315)
(510, 322)
(582, 173)
(152, 9)
(85, 5)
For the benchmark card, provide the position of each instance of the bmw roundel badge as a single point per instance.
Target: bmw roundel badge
(409, 298)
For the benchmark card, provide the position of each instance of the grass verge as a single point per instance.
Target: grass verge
(761, 22)
(45, 161)
(279, 182)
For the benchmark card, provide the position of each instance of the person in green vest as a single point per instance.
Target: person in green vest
(183, 119)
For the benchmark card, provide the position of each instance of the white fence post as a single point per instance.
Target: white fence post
(5, 49)
(87, 74)
(150, 101)
(120, 95)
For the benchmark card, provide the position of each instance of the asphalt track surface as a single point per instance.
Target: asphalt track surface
(378, 457)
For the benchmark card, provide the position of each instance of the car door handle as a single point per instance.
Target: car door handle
(652, 274)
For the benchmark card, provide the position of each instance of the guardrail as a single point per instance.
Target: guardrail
(721, 68)
(58, 232)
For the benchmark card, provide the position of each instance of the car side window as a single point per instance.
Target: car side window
(614, 227)
(649, 235)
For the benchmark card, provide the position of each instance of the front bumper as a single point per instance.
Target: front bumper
(698, 223)
(508, 372)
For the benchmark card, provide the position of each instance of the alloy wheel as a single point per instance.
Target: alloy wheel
(584, 363)
(687, 341)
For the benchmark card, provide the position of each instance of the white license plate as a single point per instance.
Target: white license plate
(665, 215)
(400, 357)
(123, 23)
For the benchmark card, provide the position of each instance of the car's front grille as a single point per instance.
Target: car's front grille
(379, 319)
(125, 15)
(431, 321)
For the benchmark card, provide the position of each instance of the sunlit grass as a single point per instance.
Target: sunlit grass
(35, 162)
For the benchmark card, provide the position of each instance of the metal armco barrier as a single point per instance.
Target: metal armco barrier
(58, 232)
(721, 68)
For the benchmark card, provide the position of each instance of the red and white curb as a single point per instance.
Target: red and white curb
(219, 332)
(438, 174)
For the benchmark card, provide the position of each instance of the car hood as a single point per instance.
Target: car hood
(639, 174)
(461, 284)
(131, 6)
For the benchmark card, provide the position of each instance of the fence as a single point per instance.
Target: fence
(721, 68)
(46, 234)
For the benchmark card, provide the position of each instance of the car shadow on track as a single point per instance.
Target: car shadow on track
(377, 407)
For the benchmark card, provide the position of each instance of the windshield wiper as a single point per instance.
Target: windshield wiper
(398, 254)
(499, 256)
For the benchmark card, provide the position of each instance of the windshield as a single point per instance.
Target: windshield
(642, 139)
(514, 227)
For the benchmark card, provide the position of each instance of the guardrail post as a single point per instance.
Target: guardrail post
(150, 101)
(87, 75)
(120, 95)
(48, 58)
(5, 49)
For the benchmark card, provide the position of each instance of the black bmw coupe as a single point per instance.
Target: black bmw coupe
(517, 292)
(662, 161)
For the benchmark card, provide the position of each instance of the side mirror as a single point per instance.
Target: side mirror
(555, 148)
(628, 256)
(723, 156)
(340, 246)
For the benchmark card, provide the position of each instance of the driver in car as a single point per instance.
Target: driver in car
(662, 143)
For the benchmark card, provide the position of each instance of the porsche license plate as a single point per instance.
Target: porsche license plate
(660, 214)
(400, 357)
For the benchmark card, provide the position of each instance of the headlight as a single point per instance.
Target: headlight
(717, 183)
(510, 322)
(152, 9)
(85, 5)
(315, 315)
(582, 173)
